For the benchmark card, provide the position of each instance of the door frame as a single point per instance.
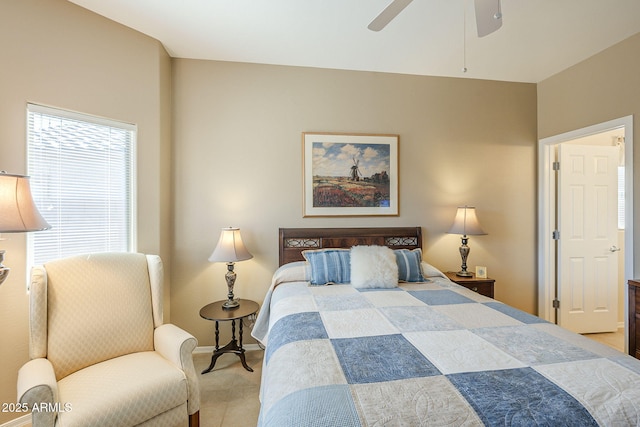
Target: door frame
(547, 208)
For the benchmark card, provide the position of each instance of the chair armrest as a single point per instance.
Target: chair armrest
(177, 345)
(36, 385)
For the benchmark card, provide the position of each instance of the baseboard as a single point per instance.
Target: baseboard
(210, 349)
(22, 421)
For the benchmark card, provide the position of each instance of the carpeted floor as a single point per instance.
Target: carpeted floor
(612, 339)
(229, 393)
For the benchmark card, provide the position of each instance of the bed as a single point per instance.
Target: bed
(361, 351)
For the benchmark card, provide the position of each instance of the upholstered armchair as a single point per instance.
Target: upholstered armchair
(100, 353)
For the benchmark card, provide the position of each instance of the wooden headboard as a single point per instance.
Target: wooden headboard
(293, 241)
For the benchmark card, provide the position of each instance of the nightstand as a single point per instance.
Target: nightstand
(481, 286)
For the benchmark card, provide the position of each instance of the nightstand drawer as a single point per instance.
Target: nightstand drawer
(485, 289)
(482, 286)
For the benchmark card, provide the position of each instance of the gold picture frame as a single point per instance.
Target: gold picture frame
(350, 174)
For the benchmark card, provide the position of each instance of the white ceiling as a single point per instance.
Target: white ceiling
(538, 38)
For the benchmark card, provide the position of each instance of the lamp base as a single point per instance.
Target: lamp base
(464, 253)
(230, 277)
(230, 304)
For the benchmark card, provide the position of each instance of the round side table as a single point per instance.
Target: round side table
(217, 313)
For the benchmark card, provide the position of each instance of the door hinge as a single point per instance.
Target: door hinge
(556, 166)
(556, 303)
(555, 235)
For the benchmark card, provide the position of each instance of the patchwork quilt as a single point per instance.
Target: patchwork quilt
(431, 353)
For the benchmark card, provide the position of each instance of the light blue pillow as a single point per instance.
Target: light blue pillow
(329, 265)
(409, 269)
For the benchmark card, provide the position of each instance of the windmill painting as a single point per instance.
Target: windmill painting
(352, 174)
(355, 171)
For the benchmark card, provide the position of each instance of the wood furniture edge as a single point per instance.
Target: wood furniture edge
(343, 237)
(633, 316)
(464, 281)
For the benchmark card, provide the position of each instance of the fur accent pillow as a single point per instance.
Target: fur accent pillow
(373, 267)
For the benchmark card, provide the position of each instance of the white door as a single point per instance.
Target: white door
(587, 252)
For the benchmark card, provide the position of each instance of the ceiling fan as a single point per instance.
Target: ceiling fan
(488, 15)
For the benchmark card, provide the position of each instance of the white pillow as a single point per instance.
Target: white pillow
(373, 267)
(429, 270)
(297, 271)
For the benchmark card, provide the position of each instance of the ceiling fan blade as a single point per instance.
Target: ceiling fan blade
(488, 16)
(388, 14)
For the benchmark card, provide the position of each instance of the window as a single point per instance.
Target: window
(82, 180)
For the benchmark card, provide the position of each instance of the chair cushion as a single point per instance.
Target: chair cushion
(99, 307)
(124, 391)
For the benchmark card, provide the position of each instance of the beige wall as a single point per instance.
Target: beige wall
(238, 161)
(230, 154)
(57, 54)
(233, 145)
(604, 87)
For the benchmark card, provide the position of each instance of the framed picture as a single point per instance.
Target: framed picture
(481, 272)
(350, 174)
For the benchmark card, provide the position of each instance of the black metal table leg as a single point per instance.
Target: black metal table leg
(232, 347)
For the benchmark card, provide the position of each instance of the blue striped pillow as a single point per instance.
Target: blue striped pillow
(409, 269)
(329, 265)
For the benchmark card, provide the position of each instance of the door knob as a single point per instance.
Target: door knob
(614, 248)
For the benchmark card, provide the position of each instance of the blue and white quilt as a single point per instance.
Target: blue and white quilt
(430, 353)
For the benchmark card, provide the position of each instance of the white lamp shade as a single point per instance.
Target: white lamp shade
(466, 222)
(230, 247)
(18, 212)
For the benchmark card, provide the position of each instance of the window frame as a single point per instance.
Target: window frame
(132, 165)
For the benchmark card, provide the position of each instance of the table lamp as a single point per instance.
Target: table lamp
(465, 223)
(230, 249)
(18, 212)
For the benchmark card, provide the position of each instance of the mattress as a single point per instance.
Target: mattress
(429, 353)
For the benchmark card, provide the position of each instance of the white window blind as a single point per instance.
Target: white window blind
(82, 180)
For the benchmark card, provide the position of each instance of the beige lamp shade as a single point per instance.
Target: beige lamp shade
(230, 247)
(18, 212)
(466, 222)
